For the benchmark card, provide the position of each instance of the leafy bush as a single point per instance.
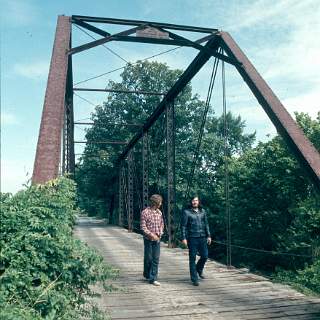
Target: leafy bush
(306, 280)
(44, 271)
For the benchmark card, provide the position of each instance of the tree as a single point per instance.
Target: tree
(96, 174)
(274, 206)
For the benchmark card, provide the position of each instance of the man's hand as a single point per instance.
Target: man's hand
(184, 242)
(209, 241)
(154, 237)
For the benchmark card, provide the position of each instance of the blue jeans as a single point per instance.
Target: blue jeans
(197, 245)
(151, 259)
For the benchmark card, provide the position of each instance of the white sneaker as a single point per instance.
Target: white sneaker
(156, 283)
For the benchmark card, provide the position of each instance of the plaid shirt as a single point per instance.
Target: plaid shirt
(151, 222)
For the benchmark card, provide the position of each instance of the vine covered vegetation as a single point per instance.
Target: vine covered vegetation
(46, 273)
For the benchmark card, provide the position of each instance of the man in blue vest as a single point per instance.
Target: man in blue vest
(196, 235)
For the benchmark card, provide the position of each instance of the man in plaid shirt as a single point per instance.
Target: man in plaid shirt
(152, 225)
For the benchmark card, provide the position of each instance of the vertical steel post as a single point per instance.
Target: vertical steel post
(125, 196)
(130, 191)
(226, 167)
(48, 154)
(170, 144)
(145, 170)
(64, 145)
(70, 120)
(121, 194)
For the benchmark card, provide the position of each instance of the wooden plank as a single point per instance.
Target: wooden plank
(225, 294)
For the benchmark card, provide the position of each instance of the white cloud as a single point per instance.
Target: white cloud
(289, 58)
(281, 37)
(264, 12)
(18, 13)
(8, 119)
(298, 56)
(14, 173)
(309, 103)
(35, 71)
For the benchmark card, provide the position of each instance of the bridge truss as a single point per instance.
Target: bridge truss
(55, 146)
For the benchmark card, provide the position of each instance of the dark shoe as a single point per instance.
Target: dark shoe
(201, 275)
(195, 283)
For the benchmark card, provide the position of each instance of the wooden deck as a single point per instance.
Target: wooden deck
(226, 293)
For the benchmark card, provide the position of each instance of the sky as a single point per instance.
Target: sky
(281, 39)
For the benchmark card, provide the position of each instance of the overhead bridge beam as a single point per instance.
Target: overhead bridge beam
(125, 37)
(113, 124)
(102, 41)
(127, 22)
(121, 91)
(91, 28)
(102, 142)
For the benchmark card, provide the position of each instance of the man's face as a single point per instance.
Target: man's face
(158, 206)
(195, 202)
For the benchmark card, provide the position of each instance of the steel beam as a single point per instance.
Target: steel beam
(140, 22)
(102, 142)
(64, 145)
(121, 91)
(202, 57)
(125, 195)
(130, 191)
(170, 42)
(170, 146)
(90, 27)
(197, 45)
(70, 157)
(121, 195)
(145, 170)
(112, 124)
(302, 148)
(46, 165)
(98, 42)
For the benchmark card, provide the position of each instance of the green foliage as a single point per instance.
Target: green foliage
(96, 175)
(45, 272)
(306, 280)
(310, 127)
(273, 204)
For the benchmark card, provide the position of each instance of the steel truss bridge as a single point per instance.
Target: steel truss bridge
(56, 142)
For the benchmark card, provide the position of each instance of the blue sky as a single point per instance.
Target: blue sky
(281, 38)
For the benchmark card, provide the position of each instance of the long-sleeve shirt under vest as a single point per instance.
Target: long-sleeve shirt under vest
(194, 224)
(151, 222)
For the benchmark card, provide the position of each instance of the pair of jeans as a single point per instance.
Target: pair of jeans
(197, 245)
(151, 259)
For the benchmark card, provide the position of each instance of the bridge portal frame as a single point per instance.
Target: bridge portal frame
(57, 123)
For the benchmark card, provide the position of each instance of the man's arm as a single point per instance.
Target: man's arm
(143, 225)
(207, 225)
(161, 224)
(207, 228)
(184, 222)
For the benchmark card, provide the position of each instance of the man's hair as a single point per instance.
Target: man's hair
(155, 199)
(190, 202)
